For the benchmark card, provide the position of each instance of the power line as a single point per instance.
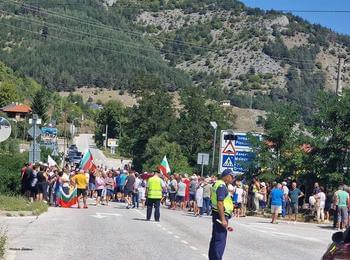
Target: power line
(141, 34)
(136, 46)
(81, 43)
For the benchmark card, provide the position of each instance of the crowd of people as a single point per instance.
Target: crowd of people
(182, 192)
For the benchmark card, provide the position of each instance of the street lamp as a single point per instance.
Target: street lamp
(215, 126)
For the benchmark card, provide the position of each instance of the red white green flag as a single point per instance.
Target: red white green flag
(87, 162)
(164, 167)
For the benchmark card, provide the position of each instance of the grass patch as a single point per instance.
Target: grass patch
(18, 203)
(3, 239)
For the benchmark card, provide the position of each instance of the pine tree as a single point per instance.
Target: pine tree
(39, 105)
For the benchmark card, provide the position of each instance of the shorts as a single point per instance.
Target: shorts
(192, 196)
(275, 208)
(42, 187)
(120, 189)
(81, 192)
(262, 204)
(294, 208)
(128, 192)
(34, 190)
(172, 196)
(92, 186)
(99, 192)
(180, 198)
(238, 205)
(110, 192)
(343, 214)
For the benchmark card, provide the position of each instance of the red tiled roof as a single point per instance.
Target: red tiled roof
(17, 108)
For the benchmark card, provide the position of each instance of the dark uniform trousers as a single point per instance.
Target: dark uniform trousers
(218, 239)
(150, 203)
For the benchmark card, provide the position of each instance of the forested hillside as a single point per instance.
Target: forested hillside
(65, 44)
(251, 57)
(14, 87)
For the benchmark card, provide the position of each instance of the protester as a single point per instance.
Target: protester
(100, 185)
(129, 189)
(199, 200)
(206, 196)
(263, 193)
(82, 184)
(321, 202)
(92, 181)
(109, 181)
(181, 193)
(34, 183)
(172, 189)
(342, 198)
(239, 199)
(277, 198)
(192, 190)
(285, 203)
(293, 197)
(142, 193)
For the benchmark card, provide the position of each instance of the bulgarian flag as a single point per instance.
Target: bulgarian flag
(164, 167)
(67, 200)
(87, 162)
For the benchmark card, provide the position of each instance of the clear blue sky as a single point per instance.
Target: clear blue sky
(339, 22)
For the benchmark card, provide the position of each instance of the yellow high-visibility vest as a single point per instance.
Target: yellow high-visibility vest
(228, 203)
(154, 188)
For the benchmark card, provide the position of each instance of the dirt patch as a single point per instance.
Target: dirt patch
(103, 95)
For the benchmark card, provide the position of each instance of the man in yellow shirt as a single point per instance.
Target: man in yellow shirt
(81, 183)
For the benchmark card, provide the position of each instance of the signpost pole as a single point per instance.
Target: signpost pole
(213, 160)
(202, 165)
(35, 117)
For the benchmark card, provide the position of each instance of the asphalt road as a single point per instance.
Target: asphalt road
(115, 232)
(85, 142)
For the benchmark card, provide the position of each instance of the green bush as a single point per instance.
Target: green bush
(3, 239)
(10, 171)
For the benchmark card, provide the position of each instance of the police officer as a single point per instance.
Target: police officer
(222, 207)
(154, 195)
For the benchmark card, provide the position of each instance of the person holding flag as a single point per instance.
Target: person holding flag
(164, 167)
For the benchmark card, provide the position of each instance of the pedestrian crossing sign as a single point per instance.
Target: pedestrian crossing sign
(228, 161)
(229, 148)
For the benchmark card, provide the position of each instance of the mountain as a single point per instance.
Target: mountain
(251, 57)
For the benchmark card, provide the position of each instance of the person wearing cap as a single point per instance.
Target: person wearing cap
(285, 204)
(222, 208)
(82, 184)
(154, 192)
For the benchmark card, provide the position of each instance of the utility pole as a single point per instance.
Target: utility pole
(338, 88)
(106, 136)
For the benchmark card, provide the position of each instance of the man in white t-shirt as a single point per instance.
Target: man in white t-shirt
(239, 198)
(321, 202)
(285, 198)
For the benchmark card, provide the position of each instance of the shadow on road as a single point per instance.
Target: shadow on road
(140, 219)
(327, 227)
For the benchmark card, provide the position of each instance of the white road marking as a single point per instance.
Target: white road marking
(185, 242)
(205, 256)
(170, 233)
(194, 248)
(164, 228)
(104, 215)
(177, 237)
(258, 229)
